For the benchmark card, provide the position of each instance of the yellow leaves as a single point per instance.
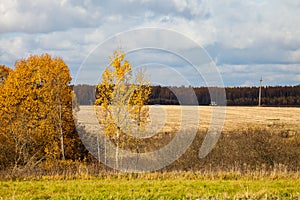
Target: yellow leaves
(122, 98)
(118, 70)
(4, 72)
(29, 100)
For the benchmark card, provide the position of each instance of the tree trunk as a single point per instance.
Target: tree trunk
(117, 149)
(98, 148)
(61, 133)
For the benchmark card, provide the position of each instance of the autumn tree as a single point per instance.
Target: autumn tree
(5, 144)
(4, 72)
(122, 96)
(36, 110)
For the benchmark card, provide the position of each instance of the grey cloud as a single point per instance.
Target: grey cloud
(249, 75)
(261, 54)
(31, 16)
(44, 16)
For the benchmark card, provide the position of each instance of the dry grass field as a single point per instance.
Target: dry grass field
(169, 118)
(275, 118)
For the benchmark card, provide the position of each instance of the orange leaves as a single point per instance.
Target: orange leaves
(36, 106)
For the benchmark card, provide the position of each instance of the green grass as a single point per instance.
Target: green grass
(150, 189)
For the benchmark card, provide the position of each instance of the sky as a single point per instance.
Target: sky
(244, 40)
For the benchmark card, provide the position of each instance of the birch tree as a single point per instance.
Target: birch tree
(122, 96)
(36, 110)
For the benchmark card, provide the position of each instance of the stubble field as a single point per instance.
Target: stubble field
(237, 118)
(169, 118)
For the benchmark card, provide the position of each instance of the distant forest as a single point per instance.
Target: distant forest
(236, 96)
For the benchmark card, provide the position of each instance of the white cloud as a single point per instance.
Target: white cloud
(236, 33)
(246, 24)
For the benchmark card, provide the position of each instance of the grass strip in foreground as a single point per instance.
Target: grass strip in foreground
(150, 189)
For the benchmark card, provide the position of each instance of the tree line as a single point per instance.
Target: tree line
(236, 96)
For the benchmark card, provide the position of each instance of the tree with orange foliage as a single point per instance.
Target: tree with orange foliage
(36, 110)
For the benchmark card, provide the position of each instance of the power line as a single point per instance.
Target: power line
(259, 95)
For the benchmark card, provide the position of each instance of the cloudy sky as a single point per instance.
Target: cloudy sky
(245, 39)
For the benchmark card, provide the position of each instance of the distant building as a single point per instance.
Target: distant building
(213, 103)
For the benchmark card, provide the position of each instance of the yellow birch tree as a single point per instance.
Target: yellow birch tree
(122, 98)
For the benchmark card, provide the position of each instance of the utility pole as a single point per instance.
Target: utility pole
(259, 95)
